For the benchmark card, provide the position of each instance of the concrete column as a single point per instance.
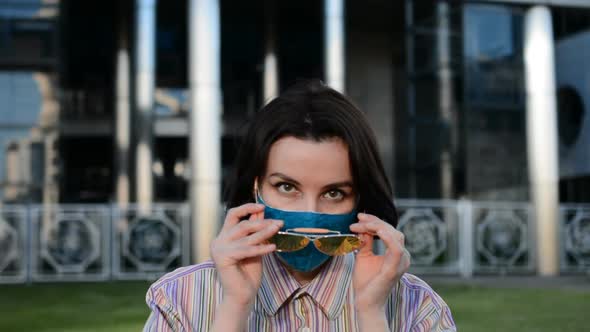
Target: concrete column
(49, 134)
(13, 170)
(445, 97)
(334, 39)
(52, 171)
(466, 242)
(123, 118)
(204, 124)
(271, 66)
(411, 98)
(144, 99)
(541, 126)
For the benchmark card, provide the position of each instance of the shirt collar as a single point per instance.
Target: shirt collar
(328, 289)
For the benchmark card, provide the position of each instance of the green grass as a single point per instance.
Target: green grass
(524, 310)
(120, 306)
(68, 307)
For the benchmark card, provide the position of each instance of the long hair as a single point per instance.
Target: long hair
(310, 110)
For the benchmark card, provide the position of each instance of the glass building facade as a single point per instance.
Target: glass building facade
(96, 120)
(441, 82)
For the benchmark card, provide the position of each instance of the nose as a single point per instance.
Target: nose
(310, 204)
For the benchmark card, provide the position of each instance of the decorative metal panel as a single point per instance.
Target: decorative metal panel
(149, 244)
(71, 243)
(14, 253)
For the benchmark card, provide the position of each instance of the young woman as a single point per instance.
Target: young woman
(308, 197)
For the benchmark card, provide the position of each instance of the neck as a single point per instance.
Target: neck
(304, 278)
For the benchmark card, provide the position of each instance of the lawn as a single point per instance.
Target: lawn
(120, 307)
(68, 307)
(524, 310)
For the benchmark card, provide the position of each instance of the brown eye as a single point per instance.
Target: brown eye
(285, 188)
(334, 195)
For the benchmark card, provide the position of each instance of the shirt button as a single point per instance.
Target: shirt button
(305, 329)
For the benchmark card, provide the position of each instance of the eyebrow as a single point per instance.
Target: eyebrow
(331, 185)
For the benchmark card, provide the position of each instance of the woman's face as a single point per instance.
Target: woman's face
(305, 175)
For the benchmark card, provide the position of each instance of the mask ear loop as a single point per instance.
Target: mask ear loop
(255, 191)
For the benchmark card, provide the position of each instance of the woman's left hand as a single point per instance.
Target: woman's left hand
(375, 276)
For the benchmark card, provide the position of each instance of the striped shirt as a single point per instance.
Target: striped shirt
(185, 300)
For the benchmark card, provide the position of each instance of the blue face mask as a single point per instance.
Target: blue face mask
(308, 258)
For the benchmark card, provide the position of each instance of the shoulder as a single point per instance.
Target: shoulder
(417, 288)
(184, 283)
(184, 299)
(184, 274)
(424, 309)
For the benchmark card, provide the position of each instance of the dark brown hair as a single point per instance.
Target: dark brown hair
(311, 110)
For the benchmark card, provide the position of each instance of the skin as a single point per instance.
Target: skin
(290, 185)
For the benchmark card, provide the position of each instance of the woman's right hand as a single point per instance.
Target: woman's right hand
(237, 252)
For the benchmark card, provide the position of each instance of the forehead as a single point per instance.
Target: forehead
(309, 161)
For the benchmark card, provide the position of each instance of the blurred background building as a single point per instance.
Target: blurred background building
(443, 84)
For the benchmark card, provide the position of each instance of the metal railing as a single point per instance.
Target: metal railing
(105, 242)
(466, 238)
(91, 242)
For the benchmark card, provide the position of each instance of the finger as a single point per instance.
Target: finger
(369, 228)
(367, 245)
(234, 215)
(257, 215)
(261, 235)
(370, 224)
(248, 227)
(394, 253)
(243, 252)
(401, 238)
(367, 236)
(360, 226)
(392, 238)
(406, 258)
